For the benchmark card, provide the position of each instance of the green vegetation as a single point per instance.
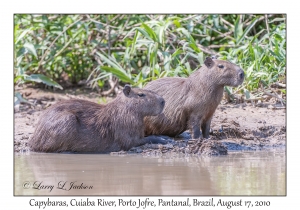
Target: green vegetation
(135, 49)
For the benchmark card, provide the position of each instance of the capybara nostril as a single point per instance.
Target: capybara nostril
(241, 74)
(163, 102)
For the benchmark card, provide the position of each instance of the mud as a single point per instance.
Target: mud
(245, 126)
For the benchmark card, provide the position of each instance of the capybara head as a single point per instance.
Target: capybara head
(146, 102)
(224, 72)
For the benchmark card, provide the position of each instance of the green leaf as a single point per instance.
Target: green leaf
(188, 68)
(129, 33)
(177, 52)
(111, 62)
(227, 90)
(19, 99)
(45, 19)
(21, 71)
(201, 58)
(283, 91)
(156, 71)
(22, 35)
(150, 32)
(120, 74)
(250, 70)
(161, 31)
(40, 78)
(136, 35)
(264, 83)
(30, 47)
(216, 21)
(247, 93)
(145, 33)
(237, 27)
(259, 74)
(190, 26)
(153, 54)
(20, 77)
(185, 32)
(277, 20)
(21, 52)
(177, 23)
(253, 22)
(63, 48)
(167, 61)
(195, 47)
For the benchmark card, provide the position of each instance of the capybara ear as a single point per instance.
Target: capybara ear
(209, 62)
(126, 90)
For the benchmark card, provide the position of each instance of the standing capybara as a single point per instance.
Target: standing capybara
(191, 102)
(87, 127)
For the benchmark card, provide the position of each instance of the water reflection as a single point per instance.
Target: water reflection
(239, 173)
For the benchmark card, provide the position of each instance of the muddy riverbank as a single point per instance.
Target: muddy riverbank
(244, 126)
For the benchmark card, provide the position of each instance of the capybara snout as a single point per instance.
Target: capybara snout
(161, 105)
(240, 77)
(224, 73)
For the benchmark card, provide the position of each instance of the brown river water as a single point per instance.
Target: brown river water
(238, 173)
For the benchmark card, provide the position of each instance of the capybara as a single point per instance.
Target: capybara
(191, 102)
(86, 127)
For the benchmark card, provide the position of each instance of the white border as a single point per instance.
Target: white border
(8, 8)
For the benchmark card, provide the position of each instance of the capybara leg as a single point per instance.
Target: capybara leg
(205, 128)
(195, 131)
(195, 128)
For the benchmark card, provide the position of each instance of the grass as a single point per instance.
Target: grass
(136, 49)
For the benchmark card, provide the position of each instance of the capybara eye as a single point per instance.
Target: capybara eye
(141, 94)
(220, 66)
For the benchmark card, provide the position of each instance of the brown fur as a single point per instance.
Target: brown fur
(87, 127)
(191, 102)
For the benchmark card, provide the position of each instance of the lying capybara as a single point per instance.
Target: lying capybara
(87, 127)
(191, 102)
